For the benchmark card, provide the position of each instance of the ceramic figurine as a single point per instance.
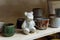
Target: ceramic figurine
(28, 24)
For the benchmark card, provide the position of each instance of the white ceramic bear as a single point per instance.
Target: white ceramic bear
(28, 24)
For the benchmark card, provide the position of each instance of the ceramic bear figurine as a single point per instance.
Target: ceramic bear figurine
(28, 24)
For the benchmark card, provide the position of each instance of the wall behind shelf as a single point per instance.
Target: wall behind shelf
(10, 10)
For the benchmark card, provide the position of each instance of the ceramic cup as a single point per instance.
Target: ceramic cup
(55, 22)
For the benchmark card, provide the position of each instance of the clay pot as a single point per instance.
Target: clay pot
(42, 23)
(8, 30)
(38, 12)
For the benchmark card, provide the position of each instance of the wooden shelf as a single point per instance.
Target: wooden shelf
(37, 34)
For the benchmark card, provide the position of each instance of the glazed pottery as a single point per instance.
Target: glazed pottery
(55, 22)
(38, 12)
(8, 30)
(28, 25)
(42, 23)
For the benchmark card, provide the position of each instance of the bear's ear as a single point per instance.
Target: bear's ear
(25, 13)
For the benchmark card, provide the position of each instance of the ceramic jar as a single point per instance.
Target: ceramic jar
(55, 22)
(8, 30)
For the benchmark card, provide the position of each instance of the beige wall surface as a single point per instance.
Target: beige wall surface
(10, 10)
